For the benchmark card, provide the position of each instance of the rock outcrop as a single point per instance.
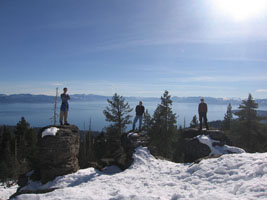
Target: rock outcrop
(58, 154)
(121, 150)
(129, 143)
(194, 149)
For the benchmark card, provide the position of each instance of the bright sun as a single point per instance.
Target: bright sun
(242, 9)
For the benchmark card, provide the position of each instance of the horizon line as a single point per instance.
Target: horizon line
(224, 98)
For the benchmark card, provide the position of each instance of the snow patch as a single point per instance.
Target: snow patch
(50, 131)
(218, 150)
(132, 134)
(6, 192)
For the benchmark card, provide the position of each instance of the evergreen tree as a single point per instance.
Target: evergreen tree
(117, 112)
(164, 126)
(100, 146)
(4, 171)
(20, 131)
(248, 132)
(26, 140)
(89, 147)
(5, 148)
(247, 113)
(194, 122)
(228, 118)
(147, 125)
(8, 164)
(82, 154)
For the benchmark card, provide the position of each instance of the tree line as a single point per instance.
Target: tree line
(17, 151)
(244, 128)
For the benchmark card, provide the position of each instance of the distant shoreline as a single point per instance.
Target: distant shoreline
(29, 98)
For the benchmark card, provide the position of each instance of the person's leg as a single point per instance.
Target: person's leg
(66, 117)
(140, 122)
(206, 121)
(135, 120)
(61, 117)
(200, 121)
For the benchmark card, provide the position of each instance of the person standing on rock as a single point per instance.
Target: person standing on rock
(202, 111)
(140, 109)
(64, 108)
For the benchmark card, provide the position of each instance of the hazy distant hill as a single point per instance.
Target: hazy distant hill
(29, 98)
(26, 98)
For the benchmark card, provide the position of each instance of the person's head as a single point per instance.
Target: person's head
(140, 103)
(202, 100)
(65, 90)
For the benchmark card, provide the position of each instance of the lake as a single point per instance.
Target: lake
(39, 115)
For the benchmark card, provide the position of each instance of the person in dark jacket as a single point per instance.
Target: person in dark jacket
(64, 108)
(202, 111)
(140, 109)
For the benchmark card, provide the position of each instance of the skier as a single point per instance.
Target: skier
(202, 111)
(64, 108)
(140, 109)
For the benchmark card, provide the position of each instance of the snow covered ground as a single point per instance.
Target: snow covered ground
(6, 192)
(229, 177)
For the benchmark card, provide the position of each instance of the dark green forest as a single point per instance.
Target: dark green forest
(244, 128)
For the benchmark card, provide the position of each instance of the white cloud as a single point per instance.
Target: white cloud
(56, 84)
(261, 90)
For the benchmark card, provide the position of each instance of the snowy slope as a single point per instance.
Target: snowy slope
(234, 176)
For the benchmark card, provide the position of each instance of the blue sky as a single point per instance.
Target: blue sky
(134, 48)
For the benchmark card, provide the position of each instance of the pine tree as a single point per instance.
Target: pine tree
(4, 171)
(228, 118)
(26, 140)
(248, 132)
(164, 126)
(82, 154)
(20, 131)
(89, 147)
(247, 113)
(117, 112)
(194, 122)
(8, 164)
(147, 125)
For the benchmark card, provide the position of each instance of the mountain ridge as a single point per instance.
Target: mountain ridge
(31, 98)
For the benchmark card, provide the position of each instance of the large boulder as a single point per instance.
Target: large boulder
(206, 143)
(58, 152)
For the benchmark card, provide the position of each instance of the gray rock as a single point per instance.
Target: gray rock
(194, 150)
(58, 155)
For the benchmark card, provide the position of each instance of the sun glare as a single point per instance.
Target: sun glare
(242, 9)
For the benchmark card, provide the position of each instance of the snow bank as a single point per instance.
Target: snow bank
(218, 150)
(6, 192)
(229, 177)
(50, 131)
